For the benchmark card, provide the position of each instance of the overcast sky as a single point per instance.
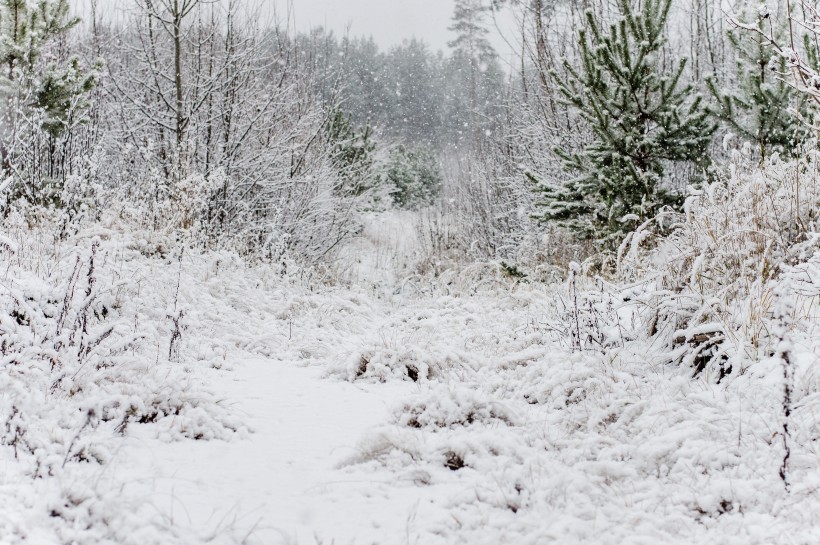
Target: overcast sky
(388, 21)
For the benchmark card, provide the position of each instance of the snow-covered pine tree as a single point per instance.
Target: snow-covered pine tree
(415, 176)
(352, 152)
(25, 29)
(413, 99)
(757, 106)
(473, 68)
(471, 40)
(41, 92)
(641, 119)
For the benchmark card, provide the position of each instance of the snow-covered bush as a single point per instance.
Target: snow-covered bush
(709, 289)
(445, 407)
(382, 363)
(68, 349)
(83, 362)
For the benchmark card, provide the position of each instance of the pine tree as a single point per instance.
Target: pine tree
(757, 108)
(473, 53)
(26, 28)
(414, 175)
(54, 91)
(62, 93)
(39, 101)
(471, 35)
(641, 120)
(413, 105)
(352, 152)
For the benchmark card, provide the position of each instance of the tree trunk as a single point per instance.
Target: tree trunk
(178, 83)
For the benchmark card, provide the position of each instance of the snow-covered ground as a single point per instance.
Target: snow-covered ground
(393, 408)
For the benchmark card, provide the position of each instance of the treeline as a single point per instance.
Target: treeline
(178, 116)
(203, 119)
(408, 93)
(620, 109)
(191, 116)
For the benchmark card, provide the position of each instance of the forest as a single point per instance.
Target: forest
(262, 285)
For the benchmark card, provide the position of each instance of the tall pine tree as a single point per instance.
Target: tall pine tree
(474, 64)
(642, 121)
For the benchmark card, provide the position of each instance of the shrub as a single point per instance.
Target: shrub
(712, 285)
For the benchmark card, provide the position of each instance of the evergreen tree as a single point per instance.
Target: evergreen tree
(413, 101)
(415, 176)
(756, 107)
(38, 101)
(641, 120)
(363, 82)
(26, 28)
(352, 153)
(62, 93)
(471, 36)
(473, 66)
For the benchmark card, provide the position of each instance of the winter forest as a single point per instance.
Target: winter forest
(268, 284)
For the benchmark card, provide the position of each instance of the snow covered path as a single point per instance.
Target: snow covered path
(447, 411)
(279, 484)
(450, 419)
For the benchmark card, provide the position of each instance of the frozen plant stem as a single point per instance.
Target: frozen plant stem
(89, 416)
(89, 292)
(785, 358)
(784, 353)
(576, 334)
(176, 318)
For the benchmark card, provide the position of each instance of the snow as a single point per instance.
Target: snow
(279, 485)
(395, 408)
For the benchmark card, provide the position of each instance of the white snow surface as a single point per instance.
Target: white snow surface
(404, 410)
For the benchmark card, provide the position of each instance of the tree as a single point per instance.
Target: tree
(413, 98)
(641, 120)
(415, 176)
(474, 54)
(364, 85)
(42, 101)
(756, 107)
(352, 152)
(471, 41)
(24, 30)
(173, 38)
(61, 93)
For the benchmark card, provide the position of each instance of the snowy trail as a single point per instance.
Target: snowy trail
(280, 484)
(445, 415)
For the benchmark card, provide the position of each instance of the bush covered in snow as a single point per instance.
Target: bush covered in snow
(710, 291)
(84, 358)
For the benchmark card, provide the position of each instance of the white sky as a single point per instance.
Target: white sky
(388, 21)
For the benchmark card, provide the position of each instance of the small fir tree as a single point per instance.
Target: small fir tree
(62, 94)
(757, 107)
(43, 94)
(641, 120)
(353, 153)
(414, 175)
